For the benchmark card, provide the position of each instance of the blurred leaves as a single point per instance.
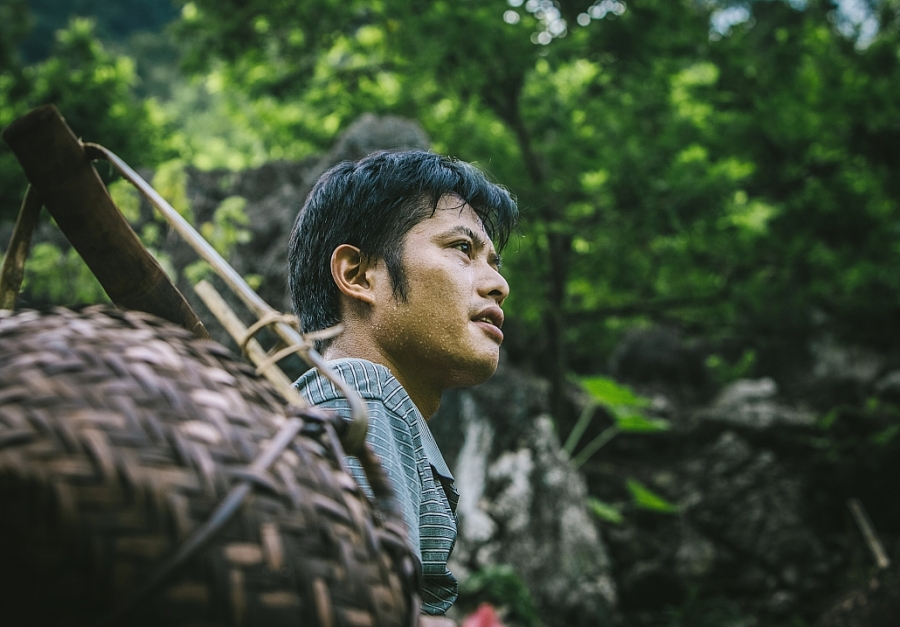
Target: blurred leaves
(723, 372)
(645, 498)
(94, 90)
(640, 424)
(55, 275)
(729, 175)
(608, 392)
(224, 232)
(227, 227)
(170, 180)
(622, 404)
(604, 511)
(503, 588)
(127, 199)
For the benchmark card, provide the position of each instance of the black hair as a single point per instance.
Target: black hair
(372, 204)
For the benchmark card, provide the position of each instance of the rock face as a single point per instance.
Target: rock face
(875, 604)
(659, 355)
(752, 403)
(740, 533)
(761, 534)
(522, 504)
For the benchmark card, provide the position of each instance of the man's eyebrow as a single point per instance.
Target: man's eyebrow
(477, 239)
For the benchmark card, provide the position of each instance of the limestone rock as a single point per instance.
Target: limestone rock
(753, 403)
(832, 360)
(522, 504)
(888, 386)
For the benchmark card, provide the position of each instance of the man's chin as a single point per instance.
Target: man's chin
(475, 371)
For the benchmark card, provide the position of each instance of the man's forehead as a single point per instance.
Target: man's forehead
(454, 209)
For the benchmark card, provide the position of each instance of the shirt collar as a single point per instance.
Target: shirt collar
(373, 382)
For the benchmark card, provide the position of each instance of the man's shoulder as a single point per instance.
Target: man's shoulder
(373, 382)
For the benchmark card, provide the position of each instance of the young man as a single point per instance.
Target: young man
(398, 248)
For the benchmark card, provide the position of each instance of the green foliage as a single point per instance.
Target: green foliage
(699, 610)
(608, 392)
(56, 276)
(502, 587)
(625, 408)
(224, 233)
(170, 181)
(604, 511)
(885, 436)
(94, 90)
(14, 24)
(226, 230)
(857, 432)
(738, 184)
(115, 20)
(664, 174)
(723, 372)
(645, 498)
(637, 423)
(127, 199)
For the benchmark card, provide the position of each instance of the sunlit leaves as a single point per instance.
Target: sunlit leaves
(752, 216)
(94, 90)
(228, 226)
(687, 104)
(126, 198)
(58, 276)
(170, 180)
(651, 161)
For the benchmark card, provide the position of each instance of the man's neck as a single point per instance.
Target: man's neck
(426, 398)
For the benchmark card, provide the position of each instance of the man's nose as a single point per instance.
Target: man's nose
(493, 285)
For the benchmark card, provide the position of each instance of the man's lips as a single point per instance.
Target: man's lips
(490, 319)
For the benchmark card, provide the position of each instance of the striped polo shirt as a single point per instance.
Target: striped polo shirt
(412, 461)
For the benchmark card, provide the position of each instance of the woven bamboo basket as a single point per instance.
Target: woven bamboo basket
(121, 436)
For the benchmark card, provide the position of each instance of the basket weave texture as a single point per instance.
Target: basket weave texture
(120, 434)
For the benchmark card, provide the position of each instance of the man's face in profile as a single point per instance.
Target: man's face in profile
(448, 329)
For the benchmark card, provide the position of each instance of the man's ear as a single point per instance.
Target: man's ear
(352, 272)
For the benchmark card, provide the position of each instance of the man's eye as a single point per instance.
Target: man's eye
(465, 247)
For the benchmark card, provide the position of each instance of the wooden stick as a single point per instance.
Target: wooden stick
(868, 532)
(13, 270)
(225, 315)
(56, 165)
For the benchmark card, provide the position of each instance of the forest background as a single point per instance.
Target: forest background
(725, 169)
(728, 169)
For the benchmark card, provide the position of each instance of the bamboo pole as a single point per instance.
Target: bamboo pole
(226, 316)
(13, 269)
(868, 532)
